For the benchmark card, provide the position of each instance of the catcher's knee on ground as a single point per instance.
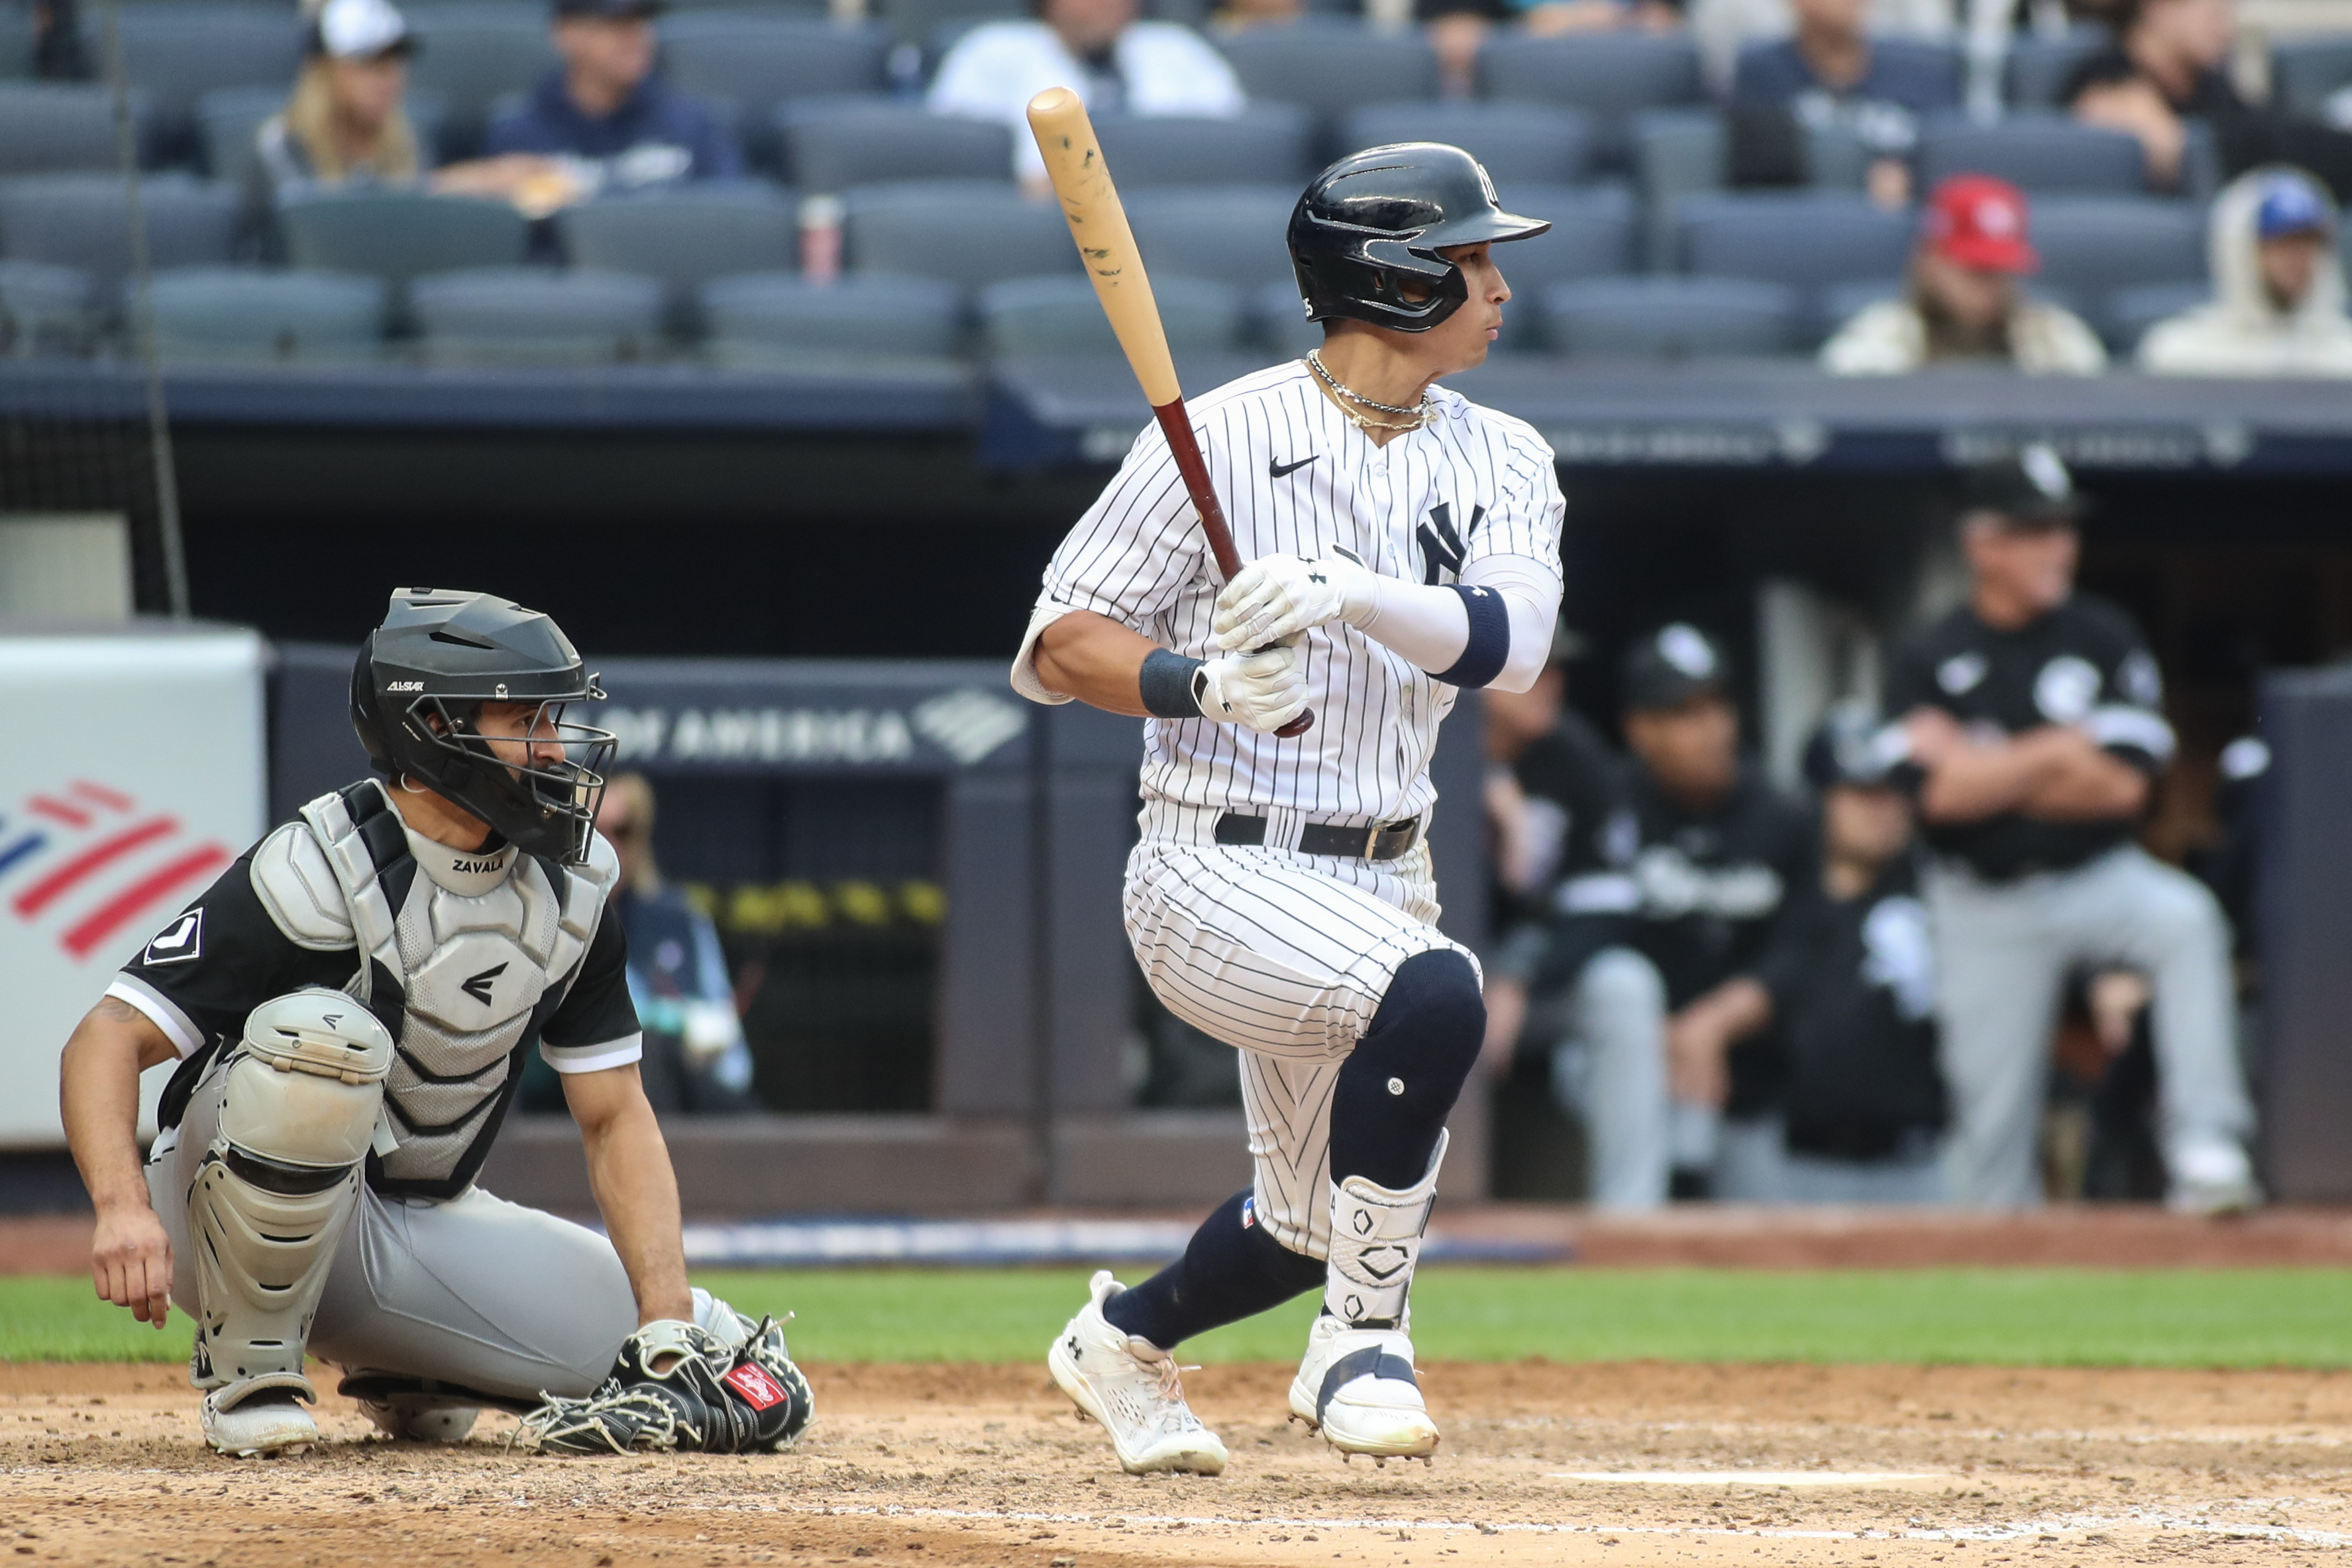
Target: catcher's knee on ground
(277, 1183)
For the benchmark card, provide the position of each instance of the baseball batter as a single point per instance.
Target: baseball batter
(349, 1006)
(1406, 544)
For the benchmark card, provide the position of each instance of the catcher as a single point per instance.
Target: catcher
(349, 1006)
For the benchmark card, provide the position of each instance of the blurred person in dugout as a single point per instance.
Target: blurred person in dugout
(1098, 48)
(1825, 75)
(2168, 67)
(2028, 723)
(1962, 301)
(2278, 288)
(695, 1059)
(1458, 29)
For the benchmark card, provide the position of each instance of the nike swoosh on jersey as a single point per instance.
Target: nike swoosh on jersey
(1277, 470)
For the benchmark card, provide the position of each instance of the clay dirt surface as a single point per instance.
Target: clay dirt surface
(958, 1465)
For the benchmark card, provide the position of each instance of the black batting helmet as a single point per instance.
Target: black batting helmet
(417, 692)
(1380, 216)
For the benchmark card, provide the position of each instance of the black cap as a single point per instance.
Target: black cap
(611, 10)
(2029, 489)
(1673, 664)
(1852, 747)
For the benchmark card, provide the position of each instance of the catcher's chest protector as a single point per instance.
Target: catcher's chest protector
(473, 951)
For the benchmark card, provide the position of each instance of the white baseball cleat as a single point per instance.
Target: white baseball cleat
(2210, 1175)
(263, 1425)
(1356, 1386)
(1131, 1387)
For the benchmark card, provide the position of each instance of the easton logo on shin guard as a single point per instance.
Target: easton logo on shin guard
(752, 1383)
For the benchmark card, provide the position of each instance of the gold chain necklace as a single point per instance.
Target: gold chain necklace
(1414, 417)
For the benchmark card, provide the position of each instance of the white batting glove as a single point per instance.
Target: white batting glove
(1277, 597)
(1262, 691)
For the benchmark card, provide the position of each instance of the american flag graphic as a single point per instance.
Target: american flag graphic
(83, 861)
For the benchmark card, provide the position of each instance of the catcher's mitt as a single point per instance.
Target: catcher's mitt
(707, 1397)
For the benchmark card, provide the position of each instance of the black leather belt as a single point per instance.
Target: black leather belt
(1384, 842)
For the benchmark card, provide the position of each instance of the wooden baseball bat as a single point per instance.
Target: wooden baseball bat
(1074, 162)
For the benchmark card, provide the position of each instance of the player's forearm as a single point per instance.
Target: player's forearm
(636, 1192)
(1095, 659)
(2087, 784)
(1970, 783)
(98, 1098)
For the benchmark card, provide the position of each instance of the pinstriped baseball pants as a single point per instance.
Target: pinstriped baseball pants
(1287, 956)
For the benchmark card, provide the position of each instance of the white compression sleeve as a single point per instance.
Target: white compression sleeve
(1430, 626)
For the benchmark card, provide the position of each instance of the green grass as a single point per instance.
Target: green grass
(2049, 1317)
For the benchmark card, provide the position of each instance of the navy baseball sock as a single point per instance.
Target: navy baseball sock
(1231, 1269)
(1402, 1080)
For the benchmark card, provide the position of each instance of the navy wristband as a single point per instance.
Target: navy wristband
(1490, 639)
(1166, 684)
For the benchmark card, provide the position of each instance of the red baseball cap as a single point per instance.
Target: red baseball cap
(1979, 221)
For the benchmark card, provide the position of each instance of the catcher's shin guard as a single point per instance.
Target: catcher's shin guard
(277, 1183)
(678, 1387)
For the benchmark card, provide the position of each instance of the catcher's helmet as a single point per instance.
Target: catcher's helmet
(1380, 216)
(420, 684)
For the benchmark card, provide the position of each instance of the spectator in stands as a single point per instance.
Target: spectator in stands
(344, 122)
(2278, 288)
(1851, 977)
(1724, 28)
(1826, 73)
(2032, 724)
(605, 118)
(1458, 29)
(2169, 66)
(1118, 64)
(1963, 301)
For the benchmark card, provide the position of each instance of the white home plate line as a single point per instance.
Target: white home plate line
(1747, 1478)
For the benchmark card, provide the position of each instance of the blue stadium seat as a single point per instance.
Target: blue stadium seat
(1520, 143)
(1612, 74)
(397, 234)
(2094, 246)
(959, 236)
(471, 53)
(1671, 318)
(1272, 142)
(1230, 237)
(2034, 74)
(246, 314)
(760, 60)
(175, 51)
(533, 316)
(43, 308)
(80, 219)
(832, 144)
(2127, 313)
(55, 127)
(1061, 315)
(685, 236)
(17, 42)
(2306, 72)
(1806, 241)
(1330, 65)
(1592, 235)
(1281, 319)
(915, 21)
(2037, 154)
(767, 321)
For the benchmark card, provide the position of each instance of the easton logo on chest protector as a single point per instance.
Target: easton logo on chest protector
(478, 986)
(1442, 549)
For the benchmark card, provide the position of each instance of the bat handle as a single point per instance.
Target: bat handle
(1299, 725)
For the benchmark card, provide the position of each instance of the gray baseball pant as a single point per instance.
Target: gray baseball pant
(1609, 1070)
(473, 1289)
(2005, 949)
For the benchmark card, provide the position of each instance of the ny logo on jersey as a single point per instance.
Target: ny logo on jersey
(1442, 550)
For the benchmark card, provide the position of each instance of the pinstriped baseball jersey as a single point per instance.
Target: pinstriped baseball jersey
(1472, 496)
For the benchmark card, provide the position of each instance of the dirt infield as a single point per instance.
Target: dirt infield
(1543, 1463)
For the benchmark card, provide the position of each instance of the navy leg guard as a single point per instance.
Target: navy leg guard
(1400, 1081)
(1229, 1271)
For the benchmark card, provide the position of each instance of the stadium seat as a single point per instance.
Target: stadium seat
(43, 308)
(1330, 65)
(2306, 72)
(175, 51)
(1229, 236)
(1614, 75)
(397, 235)
(2094, 246)
(55, 127)
(862, 321)
(1062, 316)
(1674, 152)
(916, 21)
(1591, 236)
(2038, 153)
(471, 53)
(533, 316)
(760, 60)
(1272, 142)
(2126, 315)
(1281, 319)
(833, 144)
(250, 316)
(1520, 143)
(686, 237)
(2034, 74)
(1671, 318)
(964, 236)
(80, 219)
(17, 42)
(1805, 240)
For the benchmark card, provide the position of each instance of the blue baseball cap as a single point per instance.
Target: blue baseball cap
(2291, 205)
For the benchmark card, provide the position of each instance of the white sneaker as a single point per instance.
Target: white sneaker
(1131, 1387)
(1357, 1388)
(263, 1425)
(2210, 1175)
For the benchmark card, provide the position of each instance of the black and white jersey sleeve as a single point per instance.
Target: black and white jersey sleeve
(595, 1025)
